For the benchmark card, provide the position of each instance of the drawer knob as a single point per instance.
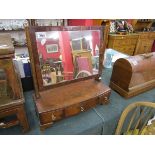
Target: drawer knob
(53, 117)
(106, 98)
(2, 125)
(82, 109)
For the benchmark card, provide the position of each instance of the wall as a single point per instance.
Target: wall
(84, 22)
(95, 40)
(80, 22)
(64, 42)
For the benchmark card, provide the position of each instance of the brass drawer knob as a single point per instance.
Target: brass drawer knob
(106, 98)
(82, 109)
(53, 117)
(2, 125)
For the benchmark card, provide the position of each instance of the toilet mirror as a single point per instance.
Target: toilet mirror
(65, 54)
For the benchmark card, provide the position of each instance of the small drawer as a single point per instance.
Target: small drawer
(8, 112)
(132, 36)
(89, 104)
(119, 48)
(144, 36)
(52, 116)
(152, 35)
(104, 98)
(120, 37)
(72, 110)
(120, 42)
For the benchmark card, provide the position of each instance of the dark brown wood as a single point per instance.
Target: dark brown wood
(73, 98)
(13, 108)
(133, 75)
(69, 98)
(11, 103)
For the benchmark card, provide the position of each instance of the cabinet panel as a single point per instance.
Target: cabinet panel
(123, 43)
(132, 44)
(144, 35)
(144, 46)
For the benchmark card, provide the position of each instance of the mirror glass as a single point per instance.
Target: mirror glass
(67, 55)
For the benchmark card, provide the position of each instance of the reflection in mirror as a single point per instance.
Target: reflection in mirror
(67, 55)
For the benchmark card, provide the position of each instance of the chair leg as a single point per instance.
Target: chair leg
(21, 115)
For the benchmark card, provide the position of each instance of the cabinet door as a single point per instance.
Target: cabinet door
(123, 43)
(143, 46)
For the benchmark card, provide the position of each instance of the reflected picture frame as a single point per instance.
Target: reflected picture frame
(52, 48)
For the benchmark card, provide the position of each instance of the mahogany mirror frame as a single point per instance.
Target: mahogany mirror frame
(34, 57)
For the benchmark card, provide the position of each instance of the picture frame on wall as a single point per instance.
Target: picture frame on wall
(76, 45)
(52, 48)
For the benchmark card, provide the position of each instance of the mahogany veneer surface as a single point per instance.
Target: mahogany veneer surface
(71, 99)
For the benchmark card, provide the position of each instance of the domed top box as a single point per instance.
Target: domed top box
(133, 75)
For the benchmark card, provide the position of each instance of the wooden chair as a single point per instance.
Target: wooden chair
(134, 119)
(12, 109)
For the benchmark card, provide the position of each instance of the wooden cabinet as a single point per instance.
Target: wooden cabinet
(123, 43)
(132, 44)
(143, 46)
(145, 42)
(73, 99)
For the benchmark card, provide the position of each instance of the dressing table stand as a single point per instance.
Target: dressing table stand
(57, 101)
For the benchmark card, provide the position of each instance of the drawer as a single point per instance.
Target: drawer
(144, 36)
(147, 42)
(152, 35)
(120, 42)
(89, 104)
(133, 37)
(120, 37)
(51, 116)
(118, 48)
(8, 112)
(125, 49)
(126, 42)
(72, 110)
(104, 98)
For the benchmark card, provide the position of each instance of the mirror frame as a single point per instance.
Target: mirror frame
(34, 57)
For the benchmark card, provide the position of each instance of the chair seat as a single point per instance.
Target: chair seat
(7, 102)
